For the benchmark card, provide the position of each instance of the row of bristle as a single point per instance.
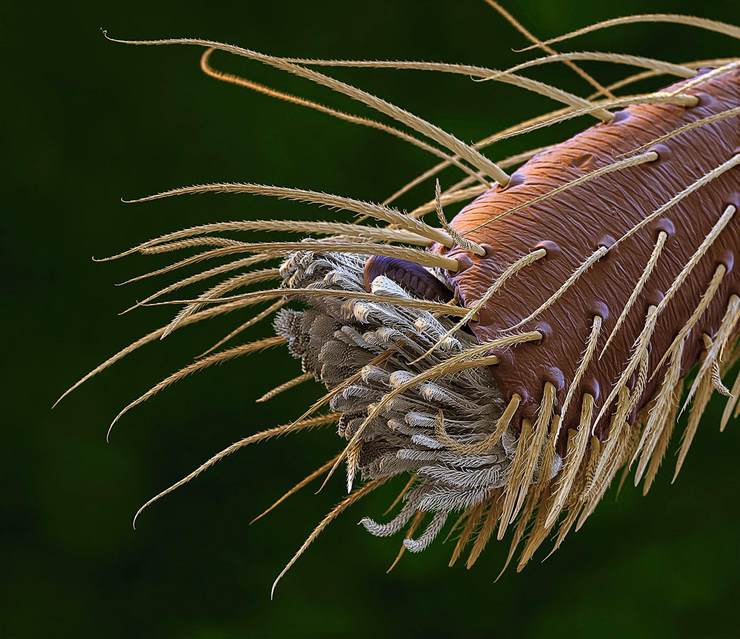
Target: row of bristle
(590, 466)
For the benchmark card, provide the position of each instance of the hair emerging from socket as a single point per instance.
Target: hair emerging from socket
(408, 388)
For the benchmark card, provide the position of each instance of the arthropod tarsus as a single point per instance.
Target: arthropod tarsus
(511, 362)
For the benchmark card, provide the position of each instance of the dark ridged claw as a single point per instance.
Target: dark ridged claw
(412, 277)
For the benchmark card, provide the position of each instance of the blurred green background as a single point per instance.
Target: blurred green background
(87, 122)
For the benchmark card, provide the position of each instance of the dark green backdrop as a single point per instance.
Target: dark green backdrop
(87, 122)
